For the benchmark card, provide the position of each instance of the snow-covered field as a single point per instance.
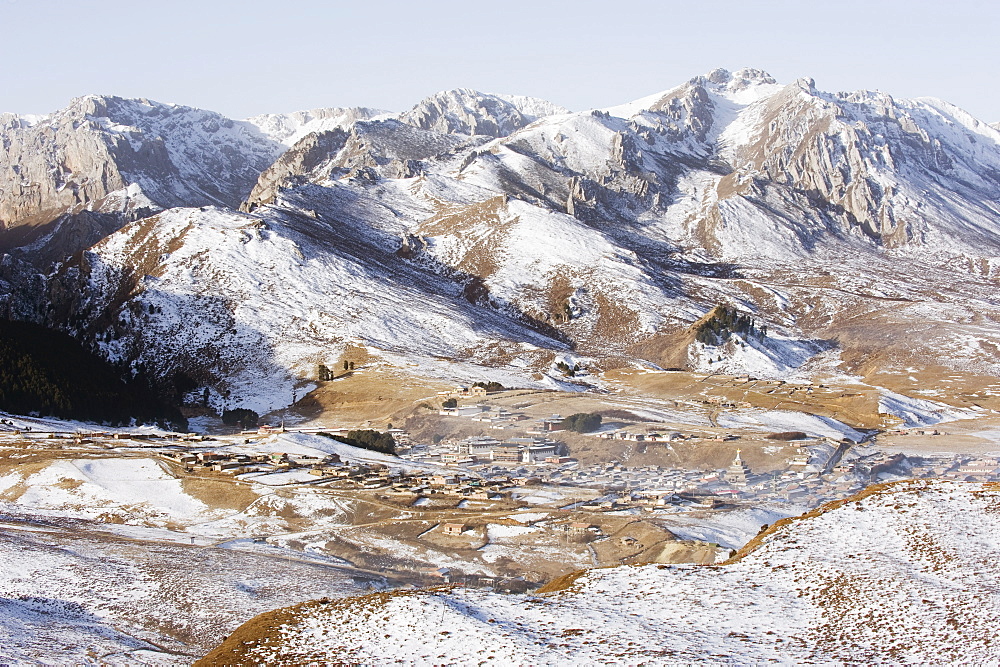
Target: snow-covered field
(111, 559)
(137, 490)
(730, 530)
(787, 420)
(921, 412)
(906, 575)
(114, 489)
(72, 596)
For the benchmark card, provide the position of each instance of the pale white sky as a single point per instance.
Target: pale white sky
(243, 57)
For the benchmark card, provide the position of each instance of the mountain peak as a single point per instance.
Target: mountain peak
(289, 128)
(467, 111)
(741, 78)
(105, 106)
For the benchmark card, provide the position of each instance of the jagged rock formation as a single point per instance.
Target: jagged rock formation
(372, 150)
(123, 157)
(305, 157)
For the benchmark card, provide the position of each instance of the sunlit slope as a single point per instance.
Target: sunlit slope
(904, 573)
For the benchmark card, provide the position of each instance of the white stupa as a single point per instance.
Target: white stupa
(738, 471)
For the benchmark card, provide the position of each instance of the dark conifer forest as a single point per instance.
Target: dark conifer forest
(50, 374)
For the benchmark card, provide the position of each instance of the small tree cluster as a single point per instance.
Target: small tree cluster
(241, 417)
(724, 322)
(567, 370)
(373, 441)
(563, 314)
(582, 422)
(489, 386)
(788, 435)
(324, 374)
(450, 403)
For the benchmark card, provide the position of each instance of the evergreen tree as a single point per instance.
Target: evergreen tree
(582, 422)
(367, 439)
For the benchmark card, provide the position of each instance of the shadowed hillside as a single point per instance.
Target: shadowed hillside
(49, 373)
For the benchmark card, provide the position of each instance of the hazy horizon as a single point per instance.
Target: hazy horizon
(246, 58)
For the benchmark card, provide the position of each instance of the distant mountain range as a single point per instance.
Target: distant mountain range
(494, 236)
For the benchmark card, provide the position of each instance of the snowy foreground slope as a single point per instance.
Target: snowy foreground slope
(114, 559)
(904, 573)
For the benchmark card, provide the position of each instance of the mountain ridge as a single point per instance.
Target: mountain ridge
(836, 219)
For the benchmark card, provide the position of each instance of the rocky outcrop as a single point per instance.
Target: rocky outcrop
(369, 149)
(305, 157)
(850, 155)
(114, 155)
(47, 169)
(689, 106)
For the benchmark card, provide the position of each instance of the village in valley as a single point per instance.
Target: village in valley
(492, 489)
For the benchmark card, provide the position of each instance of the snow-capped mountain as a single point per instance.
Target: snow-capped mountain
(505, 231)
(465, 111)
(288, 128)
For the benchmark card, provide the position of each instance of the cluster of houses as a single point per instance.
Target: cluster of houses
(914, 431)
(652, 487)
(235, 463)
(670, 436)
(464, 486)
(944, 466)
(500, 418)
(371, 476)
(464, 391)
(510, 450)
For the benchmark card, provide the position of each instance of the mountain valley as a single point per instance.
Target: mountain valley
(763, 298)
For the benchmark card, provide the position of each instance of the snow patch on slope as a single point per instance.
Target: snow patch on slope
(777, 421)
(278, 295)
(132, 488)
(920, 411)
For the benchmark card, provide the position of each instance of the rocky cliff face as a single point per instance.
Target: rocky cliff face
(864, 160)
(368, 149)
(306, 156)
(130, 157)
